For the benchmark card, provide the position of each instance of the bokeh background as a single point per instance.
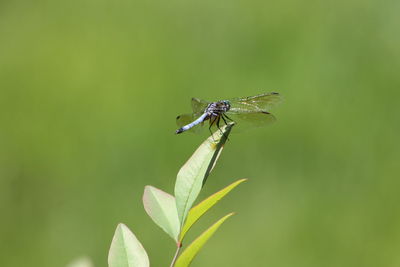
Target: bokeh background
(89, 92)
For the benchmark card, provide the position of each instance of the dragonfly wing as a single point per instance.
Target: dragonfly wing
(250, 120)
(198, 106)
(185, 119)
(258, 103)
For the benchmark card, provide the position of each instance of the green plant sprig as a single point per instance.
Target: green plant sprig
(176, 214)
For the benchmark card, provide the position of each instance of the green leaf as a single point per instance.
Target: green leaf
(126, 250)
(161, 207)
(193, 174)
(191, 251)
(197, 211)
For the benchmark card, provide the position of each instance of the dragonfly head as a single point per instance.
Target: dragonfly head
(227, 104)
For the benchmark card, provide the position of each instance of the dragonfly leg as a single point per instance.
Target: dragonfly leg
(226, 116)
(219, 117)
(223, 118)
(211, 124)
(216, 120)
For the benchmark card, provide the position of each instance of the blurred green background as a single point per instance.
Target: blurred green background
(89, 92)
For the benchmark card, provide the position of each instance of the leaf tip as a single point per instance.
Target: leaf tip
(121, 225)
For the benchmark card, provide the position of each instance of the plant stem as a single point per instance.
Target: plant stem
(178, 248)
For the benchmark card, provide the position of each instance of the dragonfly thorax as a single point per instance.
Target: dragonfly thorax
(215, 109)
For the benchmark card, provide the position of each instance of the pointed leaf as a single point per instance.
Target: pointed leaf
(161, 207)
(194, 173)
(126, 250)
(197, 211)
(191, 251)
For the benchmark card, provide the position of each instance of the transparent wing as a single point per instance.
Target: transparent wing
(250, 120)
(185, 119)
(198, 106)
(254, 104)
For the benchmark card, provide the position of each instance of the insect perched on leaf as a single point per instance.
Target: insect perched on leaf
(247, 112)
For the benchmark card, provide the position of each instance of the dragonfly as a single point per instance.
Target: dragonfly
(252, 111)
